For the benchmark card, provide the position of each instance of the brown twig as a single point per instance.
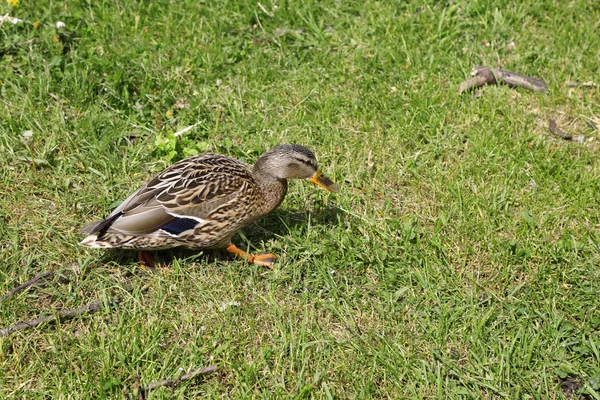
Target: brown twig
(141, 392)
(589, 84)
(66, 314)
(40, 280)
(29, 283)
(557, 131)
(482, 75)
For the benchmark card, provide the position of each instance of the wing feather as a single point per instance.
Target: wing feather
(197, 188)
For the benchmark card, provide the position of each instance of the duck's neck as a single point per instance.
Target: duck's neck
(272, 189)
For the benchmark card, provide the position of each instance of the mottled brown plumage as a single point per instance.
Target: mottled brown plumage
(202, 201)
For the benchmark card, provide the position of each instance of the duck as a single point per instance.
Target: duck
(201, 202)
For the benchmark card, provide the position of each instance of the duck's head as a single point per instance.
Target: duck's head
(292, 161)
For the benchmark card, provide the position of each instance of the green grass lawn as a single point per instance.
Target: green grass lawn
(460, 259)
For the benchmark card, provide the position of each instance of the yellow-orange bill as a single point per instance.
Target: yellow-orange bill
(322, 181)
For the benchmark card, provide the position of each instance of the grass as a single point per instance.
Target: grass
(459, 260)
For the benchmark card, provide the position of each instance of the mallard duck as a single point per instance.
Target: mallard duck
(202, 201)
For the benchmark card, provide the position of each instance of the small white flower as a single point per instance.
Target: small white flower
(8, 18)
(60, 25)
(533, 184)
(332, 272)
(226, 304)
(27, 135)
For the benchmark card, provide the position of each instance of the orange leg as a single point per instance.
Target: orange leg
(267, 260)
(147, 261)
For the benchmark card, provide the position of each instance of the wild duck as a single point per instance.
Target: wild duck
(202, 201)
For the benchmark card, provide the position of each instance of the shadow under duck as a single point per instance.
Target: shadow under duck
(202, 201)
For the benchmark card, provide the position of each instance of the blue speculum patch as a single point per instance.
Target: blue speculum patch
(179, 225)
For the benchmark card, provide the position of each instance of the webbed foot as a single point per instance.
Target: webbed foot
(264, 259)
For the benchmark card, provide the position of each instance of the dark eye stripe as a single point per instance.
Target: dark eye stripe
(303, 161)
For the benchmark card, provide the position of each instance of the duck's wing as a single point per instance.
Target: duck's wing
(181, 197)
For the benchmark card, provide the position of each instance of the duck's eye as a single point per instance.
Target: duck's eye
(305, 161)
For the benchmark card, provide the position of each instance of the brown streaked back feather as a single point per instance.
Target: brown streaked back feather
(196, 188)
